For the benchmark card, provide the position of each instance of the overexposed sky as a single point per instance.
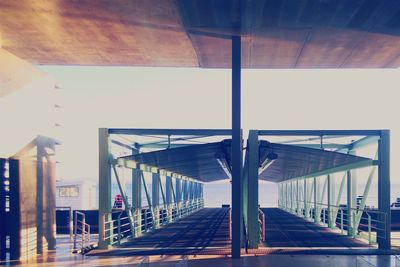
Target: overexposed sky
(93, 97)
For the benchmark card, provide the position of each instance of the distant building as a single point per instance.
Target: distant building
(77, 194)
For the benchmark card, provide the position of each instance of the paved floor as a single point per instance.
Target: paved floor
(205, 229)
(284, 229)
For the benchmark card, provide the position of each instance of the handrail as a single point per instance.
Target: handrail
(369, 220)
(80, 224)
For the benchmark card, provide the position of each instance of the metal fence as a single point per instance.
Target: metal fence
(81, 231)
(364, 223)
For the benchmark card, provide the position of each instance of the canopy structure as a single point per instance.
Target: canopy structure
(284, 162)
(205, 162)
(278, 162)
(196, 33)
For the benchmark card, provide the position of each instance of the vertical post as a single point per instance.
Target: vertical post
(178, 189)
(329, 211)
(236, 147)
(137, 200)
(305, 199)
(297, 198)
(168, 190)
(350, 204)
(155, 195)
(315, 199)
(39, 195)
(253, 228)
(383, 234)
(105, 223)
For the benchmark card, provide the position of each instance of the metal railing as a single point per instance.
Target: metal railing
(369, 223)
(146, 219)
(81, 228)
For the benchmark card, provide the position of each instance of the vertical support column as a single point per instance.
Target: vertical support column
(137, 200)
(202, 193)
(184, 191)
(297, 198)
(305, 199)
(39, 195)
(155, 195)
(105, 221)
(178, 189)
(168, 197)
(253, 226)
(383, 234)
(350, 204)
(236, 148)
(315, 199)
(168, 190)
(329, 211)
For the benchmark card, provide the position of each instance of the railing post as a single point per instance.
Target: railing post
(83, 227)
(341, 221)
(119, 229)
(75, 228)
(369, 229)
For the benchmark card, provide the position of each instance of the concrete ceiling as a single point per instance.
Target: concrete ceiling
(195, 33)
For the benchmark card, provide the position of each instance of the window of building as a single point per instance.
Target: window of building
(68, 191)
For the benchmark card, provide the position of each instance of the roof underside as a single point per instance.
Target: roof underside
(211, 162)
(195, 33)
(295, 161)
(200, 162)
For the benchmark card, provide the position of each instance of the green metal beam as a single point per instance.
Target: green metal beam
(105, 221)
(252, 176)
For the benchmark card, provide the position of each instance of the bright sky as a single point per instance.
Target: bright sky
(94, 97)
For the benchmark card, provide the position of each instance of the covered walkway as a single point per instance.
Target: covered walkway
(283, 229)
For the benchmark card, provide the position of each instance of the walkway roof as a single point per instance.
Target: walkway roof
(204, 162)
(212, 161)
(296, 162)
(195, 33)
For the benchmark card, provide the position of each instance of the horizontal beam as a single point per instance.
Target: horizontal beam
(318, 132)
(163, 146)
(202, 132)
(318, 146)
(131, 164)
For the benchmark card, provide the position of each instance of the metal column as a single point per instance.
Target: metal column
(305, 199)
(155, 195)
(297, 198)
(105, 224)
(384, 236)
(137, 198)
(329, 200)
(253, 228)
(178, 189)
(236, 147)
(315, 199)
(168, 190)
